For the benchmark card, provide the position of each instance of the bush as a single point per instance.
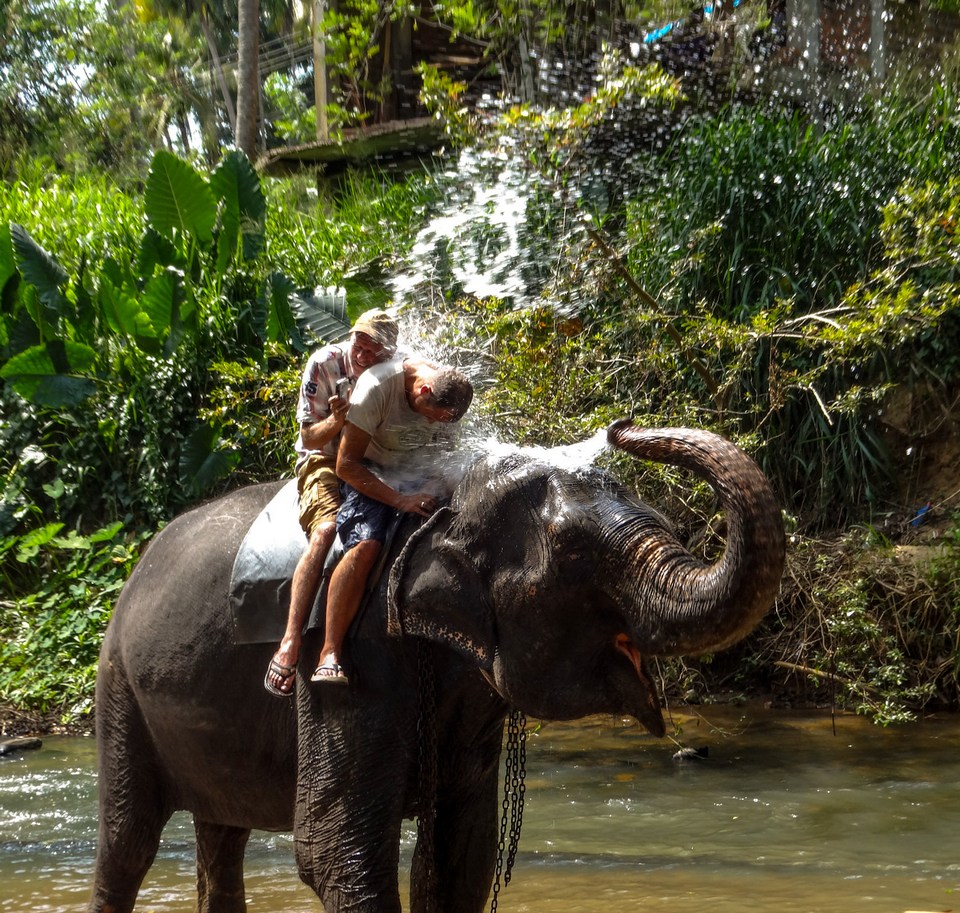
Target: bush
(50, 633)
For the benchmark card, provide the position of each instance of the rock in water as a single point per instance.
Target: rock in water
(23, 743)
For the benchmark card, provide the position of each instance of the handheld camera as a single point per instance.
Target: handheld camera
(343, 387)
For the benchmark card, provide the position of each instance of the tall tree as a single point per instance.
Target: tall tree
(88, 84)
(248, 75)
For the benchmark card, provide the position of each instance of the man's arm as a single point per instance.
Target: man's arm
(350, 468)
(316, 435)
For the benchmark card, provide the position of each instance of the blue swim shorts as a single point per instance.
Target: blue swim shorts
(361, 518)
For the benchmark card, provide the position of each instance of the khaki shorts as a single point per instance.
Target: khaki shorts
(319, 490)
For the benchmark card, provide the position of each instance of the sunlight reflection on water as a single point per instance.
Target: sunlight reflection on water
(783, 816)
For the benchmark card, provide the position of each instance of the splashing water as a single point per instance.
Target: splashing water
(475, 243)
(444, 469)
(568, 457)
(477, 240)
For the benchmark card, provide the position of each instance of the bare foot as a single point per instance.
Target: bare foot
(280, 676)
(330, 671)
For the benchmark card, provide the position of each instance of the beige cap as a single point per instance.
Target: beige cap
(379, 326)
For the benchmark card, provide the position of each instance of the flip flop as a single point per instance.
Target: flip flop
(285, 672)
(332, 673)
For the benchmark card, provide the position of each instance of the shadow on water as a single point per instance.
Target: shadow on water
(783, 815)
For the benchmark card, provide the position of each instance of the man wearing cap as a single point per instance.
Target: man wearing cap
(321, 412)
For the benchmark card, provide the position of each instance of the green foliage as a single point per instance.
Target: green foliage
(50, 631)
(866, 657)
(868, 627)
(80, 218)
(443, 98)
(254, 410)
(371, 218)
(89, 85)
(562, 37)
(764, 274)
(178, 201)
(297, 122)
(142, 299)
(793, 268)
(352, 33)
(134, 331)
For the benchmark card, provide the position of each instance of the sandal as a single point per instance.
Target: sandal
(285, 673)
(330, 672)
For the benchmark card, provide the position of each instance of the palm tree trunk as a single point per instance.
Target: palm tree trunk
(320, 72)
(248, 76)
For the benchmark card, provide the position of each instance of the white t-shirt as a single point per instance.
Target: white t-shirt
(323, 369)
(399, 437)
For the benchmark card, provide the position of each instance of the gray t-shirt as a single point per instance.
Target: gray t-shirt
(399, 437)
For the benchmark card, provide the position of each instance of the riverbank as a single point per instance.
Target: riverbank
(14, 722)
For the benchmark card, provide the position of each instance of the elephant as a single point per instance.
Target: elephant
(535, 589)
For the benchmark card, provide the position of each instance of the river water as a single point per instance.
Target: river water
(790, 812)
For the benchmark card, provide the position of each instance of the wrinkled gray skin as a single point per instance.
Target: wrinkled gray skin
(535, 588)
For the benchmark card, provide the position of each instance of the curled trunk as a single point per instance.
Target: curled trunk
(677, 603)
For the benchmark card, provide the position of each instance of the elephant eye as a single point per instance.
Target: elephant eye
(572, 558)
(572, 553)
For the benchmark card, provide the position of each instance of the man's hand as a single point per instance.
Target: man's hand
(420, 503)
(316, 435)
(338, 408)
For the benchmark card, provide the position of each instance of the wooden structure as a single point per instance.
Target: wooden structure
(395, 142)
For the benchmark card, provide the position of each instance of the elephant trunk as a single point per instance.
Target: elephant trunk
(676, 603)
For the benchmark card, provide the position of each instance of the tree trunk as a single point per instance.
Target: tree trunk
(320, 72)
(184, 128)
(405, 94)
(217, 66)
(248, 76)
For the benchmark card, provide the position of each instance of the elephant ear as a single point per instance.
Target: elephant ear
(435, 592)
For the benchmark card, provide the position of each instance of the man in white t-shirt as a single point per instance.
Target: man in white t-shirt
(397, 422)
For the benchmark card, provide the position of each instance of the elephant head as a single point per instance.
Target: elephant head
(559, 585)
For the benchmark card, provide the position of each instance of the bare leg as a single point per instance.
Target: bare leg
(306, 580)
(343, 599)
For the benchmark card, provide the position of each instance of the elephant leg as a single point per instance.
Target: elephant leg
(465, 850)
(133, 806)
(128, 838)
(124, 855)
(347, 844)
(220, 867)
(351, 776)
(466, 817)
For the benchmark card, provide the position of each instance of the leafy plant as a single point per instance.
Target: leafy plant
(50, 632)
(142, 322)
(297, 121)
(864, 629)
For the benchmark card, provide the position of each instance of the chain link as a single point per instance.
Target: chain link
(427, 739)
(511, 808)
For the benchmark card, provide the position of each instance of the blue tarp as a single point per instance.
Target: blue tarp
(659, 33)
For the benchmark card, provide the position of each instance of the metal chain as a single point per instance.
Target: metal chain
(427, 739)
(518, 789)
(511, 814)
